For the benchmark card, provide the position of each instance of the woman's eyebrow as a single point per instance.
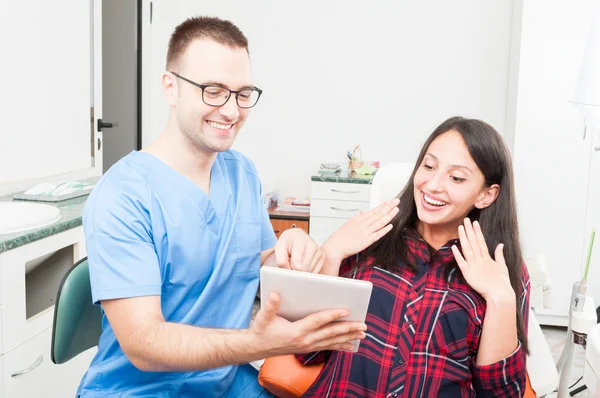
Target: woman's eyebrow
(454, 166)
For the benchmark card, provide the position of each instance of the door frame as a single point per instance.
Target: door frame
(97, 73)
(139, 82)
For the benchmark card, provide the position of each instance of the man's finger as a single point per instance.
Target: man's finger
(269, 309)
(337, 347)
(282, 258)
(297, 256)
(339, 340)
(312, 254)
(319, 319)
(319, 265)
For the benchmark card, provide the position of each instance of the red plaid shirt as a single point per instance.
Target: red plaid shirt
(422, 338)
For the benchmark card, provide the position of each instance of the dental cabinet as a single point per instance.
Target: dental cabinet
(334, 199)
(282, 220)
(32, 265)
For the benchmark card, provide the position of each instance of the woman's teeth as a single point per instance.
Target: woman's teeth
(219, 125)
(433, 202)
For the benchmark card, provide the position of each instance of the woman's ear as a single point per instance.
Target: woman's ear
(488, 196)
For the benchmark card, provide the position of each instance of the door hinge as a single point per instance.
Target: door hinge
(99, 143)
(151, 10)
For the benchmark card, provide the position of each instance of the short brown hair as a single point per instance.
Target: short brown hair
(219, 30)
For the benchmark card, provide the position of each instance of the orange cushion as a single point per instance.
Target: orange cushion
(529, 393)
(285, 377)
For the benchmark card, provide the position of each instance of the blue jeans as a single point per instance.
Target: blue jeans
(246, 384)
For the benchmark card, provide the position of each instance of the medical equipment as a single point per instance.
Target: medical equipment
(582, 321)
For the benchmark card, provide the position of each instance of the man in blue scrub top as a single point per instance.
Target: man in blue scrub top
(176, 235)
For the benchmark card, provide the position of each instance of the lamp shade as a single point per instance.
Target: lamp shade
(587, 92)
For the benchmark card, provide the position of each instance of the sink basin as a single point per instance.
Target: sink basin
(22, 216)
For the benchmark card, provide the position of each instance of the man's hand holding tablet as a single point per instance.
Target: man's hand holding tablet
(312, 302)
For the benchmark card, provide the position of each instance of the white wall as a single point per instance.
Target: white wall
(45, 95)
(416, 63)
(551, 159)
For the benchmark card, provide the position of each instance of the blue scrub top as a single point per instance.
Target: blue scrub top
(151, 231)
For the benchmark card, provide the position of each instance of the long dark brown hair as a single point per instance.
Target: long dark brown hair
(498, 221)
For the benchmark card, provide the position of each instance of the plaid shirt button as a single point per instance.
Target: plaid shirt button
(401, 361)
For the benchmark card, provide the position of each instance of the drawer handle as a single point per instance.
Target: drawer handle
(338, 209)
(293, 225)
(342, 191)
(37, 363)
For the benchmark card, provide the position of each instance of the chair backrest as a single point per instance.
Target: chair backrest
(77, 321)
(541, 369)
(389, 181)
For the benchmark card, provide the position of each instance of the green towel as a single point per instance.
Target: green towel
(366, 169)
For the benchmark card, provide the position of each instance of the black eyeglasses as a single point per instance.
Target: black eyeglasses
(218, 96)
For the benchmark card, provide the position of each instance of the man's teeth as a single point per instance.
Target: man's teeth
(219, 125)
(433, 202)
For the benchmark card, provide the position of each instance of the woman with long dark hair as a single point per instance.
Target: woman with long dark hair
(448, 312)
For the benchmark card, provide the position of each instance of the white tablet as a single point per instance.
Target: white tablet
(304, 293)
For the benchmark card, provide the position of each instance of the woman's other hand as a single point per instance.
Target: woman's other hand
(487, 276)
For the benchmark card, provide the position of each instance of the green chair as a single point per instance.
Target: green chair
(77, 321)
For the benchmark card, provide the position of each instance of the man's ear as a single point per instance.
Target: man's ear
(488, 196)
(169, 88)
